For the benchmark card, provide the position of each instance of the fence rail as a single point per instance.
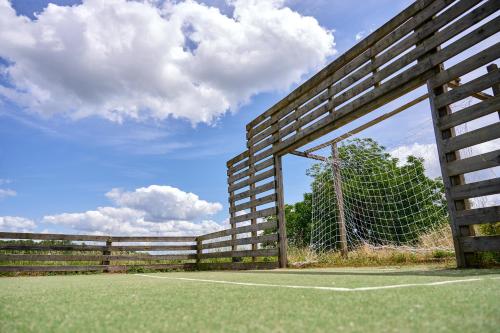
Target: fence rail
(37, 252)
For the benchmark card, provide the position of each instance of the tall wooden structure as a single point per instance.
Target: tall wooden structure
(408, 52)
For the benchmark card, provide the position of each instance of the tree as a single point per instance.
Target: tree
(421, 203)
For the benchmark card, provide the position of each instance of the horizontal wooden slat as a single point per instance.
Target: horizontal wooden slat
(341, 61)
(37, 236)
(466, 66)
(424, 47)
(254, 203)
(165, 239)
(254, 215)
(238, 265)
(40, 247)
(469, 113)
(477, 189)
(478, 216)
(252, 180)
(465, 90)
(153, 248)
(241, 241)
(94, 238)
(238, 158)
(394, 88)
(51, 268)
(471, 138)
(111, 268)
(261, 166)
(239, 230)
(480, 243)
(475, 163)
(57, 257)
(259, 189)
(240, 254)
(77, 247)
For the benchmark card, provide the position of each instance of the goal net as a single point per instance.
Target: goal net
(386, 202)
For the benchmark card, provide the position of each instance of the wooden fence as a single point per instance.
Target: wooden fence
(406, 53)
(35, 252)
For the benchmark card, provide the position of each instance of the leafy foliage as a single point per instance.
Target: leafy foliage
(422, 203)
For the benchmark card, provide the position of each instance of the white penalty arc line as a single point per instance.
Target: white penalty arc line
(251, 284)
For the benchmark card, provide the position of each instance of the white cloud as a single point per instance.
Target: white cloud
(360, 35)
(4, 181)
(4, 193)
(426, 151)
(146, 211)
(122, 59)
(164, 203)
(126, 221)
(16, 224)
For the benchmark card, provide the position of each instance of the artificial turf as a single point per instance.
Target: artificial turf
(133, 303)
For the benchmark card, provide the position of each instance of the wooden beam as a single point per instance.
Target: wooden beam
(308, 155)
(369, 124)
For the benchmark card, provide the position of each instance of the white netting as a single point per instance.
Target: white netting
(386, 202)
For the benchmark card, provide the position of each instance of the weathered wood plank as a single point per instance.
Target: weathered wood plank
(40, 247)
(238, 158)
(240, 230)
(259, 189)
(78, 247)
(241, 241)
(280, 203)
(254, 203)
(153, 248)
(252, 180)
(51, 268)
(389, 90)
(475, 163)
(478, 216)
(241, 254)
(58, 257)
(481, 243)
(476, 189)
(261, 166)
(341, 61)
(113, 268)
(465, 90)
(39, 236)
(470, 113)
(466, 66)
(471, 138)
(165, 239)
(238, 265)
(254, 215)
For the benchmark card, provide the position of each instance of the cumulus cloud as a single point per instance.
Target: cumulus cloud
(126, 221)
(121, 59)
(164, 203)
(4, 193)
(426, 151)
(16, 224)
(146, 211)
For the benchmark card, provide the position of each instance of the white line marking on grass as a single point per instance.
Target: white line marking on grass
(251, 284)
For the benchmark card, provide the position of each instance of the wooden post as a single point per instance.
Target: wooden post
(280, 203)
(107, 252)
(198, 252)
(339, 197)
(495, 87)
(445, 158)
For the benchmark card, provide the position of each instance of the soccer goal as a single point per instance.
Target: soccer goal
(361, 195)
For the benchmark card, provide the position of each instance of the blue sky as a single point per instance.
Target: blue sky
(57, 163)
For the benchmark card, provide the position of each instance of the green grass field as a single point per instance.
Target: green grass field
(317, 300)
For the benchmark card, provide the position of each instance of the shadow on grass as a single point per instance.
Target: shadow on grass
(380, 272)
